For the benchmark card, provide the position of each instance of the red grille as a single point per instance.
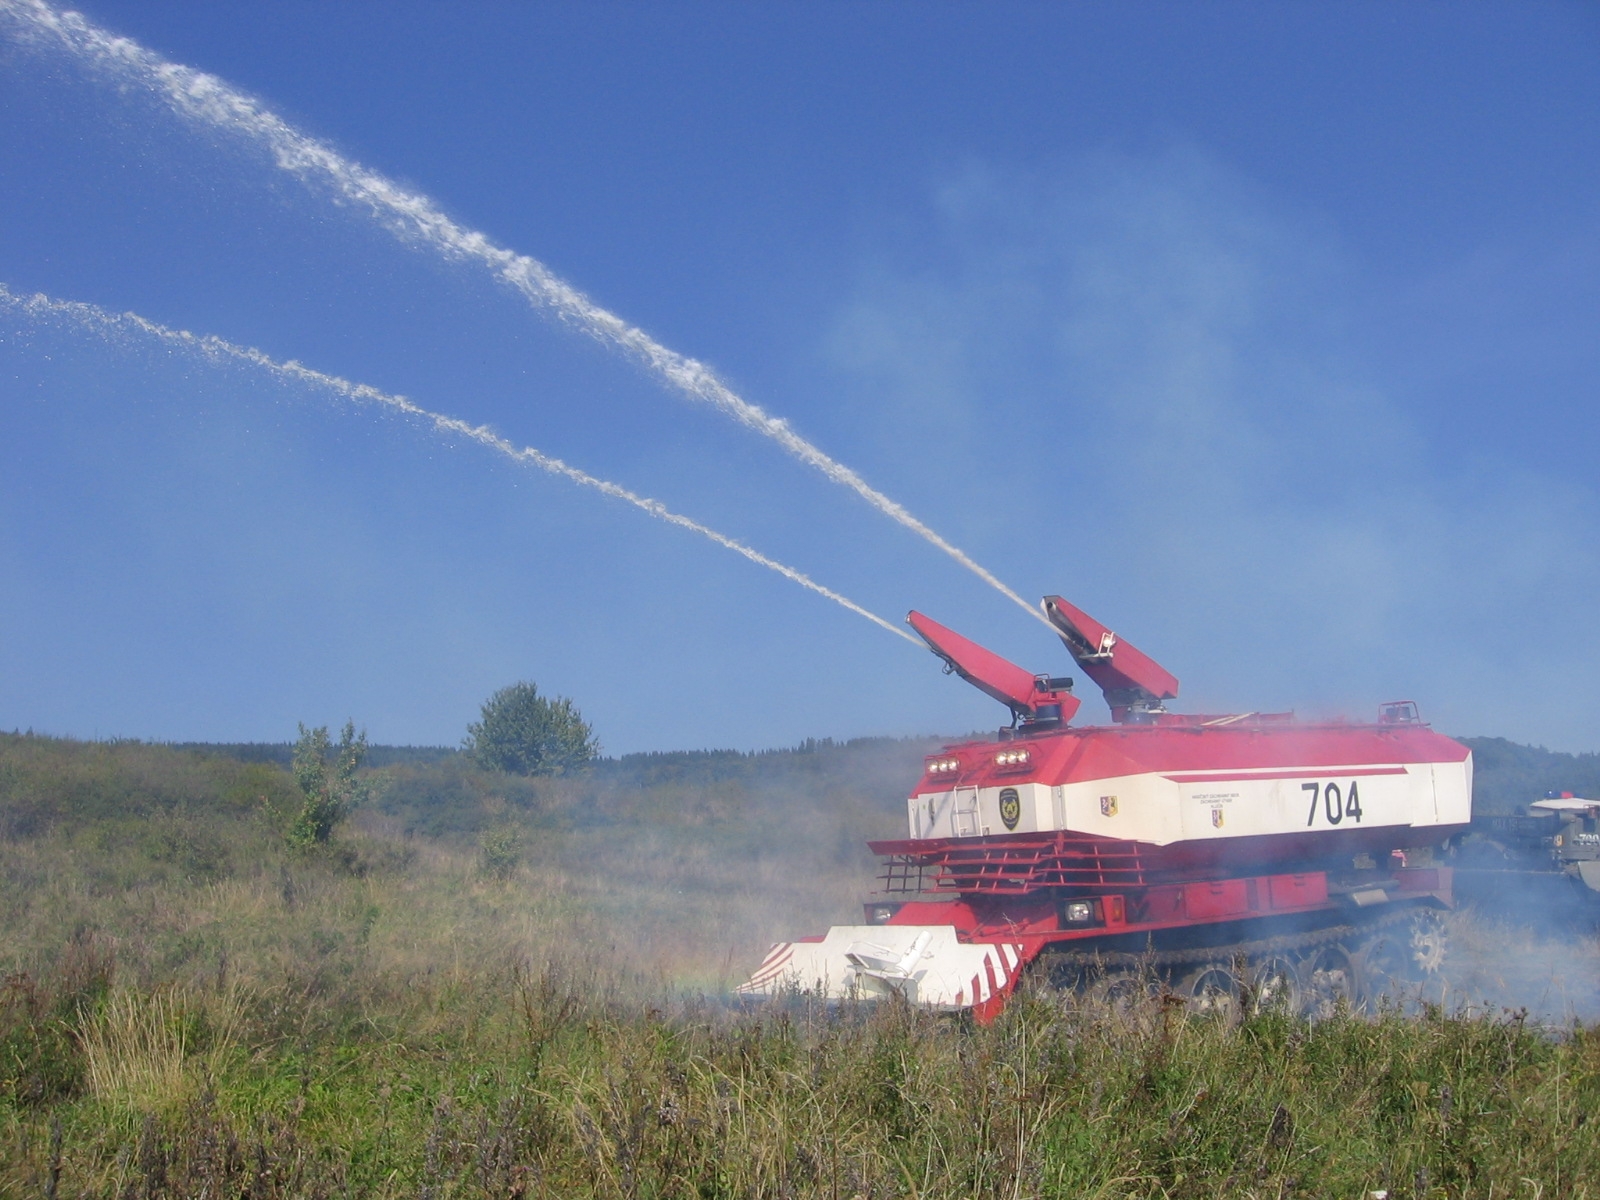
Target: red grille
(1011, 866)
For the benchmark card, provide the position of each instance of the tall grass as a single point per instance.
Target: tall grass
(397, 1017)
(565, 1082)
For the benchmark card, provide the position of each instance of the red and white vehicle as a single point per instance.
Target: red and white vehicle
(1221, 853)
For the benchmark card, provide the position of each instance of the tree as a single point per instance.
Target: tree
(524, 734)
(327, 777)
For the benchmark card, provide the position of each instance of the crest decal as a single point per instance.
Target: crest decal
(1216, 818)
(1108, 806)
(1010, 807)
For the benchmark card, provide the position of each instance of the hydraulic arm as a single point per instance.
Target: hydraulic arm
(1033, 699)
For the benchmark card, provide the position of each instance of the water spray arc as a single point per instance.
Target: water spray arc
(215, 349)
(414, 217)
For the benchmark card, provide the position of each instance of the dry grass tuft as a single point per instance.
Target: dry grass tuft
(156, 1050)
(135, 1051)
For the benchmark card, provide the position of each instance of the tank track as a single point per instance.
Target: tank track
(1085, 964)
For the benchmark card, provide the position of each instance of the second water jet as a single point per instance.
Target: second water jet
(100, 321)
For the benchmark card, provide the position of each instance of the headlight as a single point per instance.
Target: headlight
(1012, 758)
(1078, 912)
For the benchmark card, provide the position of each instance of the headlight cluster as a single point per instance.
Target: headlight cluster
(1078, 912)
(1012, 758)
(943, 766)
(879, 914)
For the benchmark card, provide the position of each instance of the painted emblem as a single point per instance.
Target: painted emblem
(1010, 807)
(1108, 806)
(1216, 818)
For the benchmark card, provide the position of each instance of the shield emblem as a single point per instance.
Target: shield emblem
(1216, 818)
(1010, 807)
(1108, 806)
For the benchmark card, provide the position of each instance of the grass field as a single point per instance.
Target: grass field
(191, 1009)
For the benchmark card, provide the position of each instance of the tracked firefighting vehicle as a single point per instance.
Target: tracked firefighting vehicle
(1247, 857)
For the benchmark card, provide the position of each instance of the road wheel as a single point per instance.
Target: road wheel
(1387, 973)
(1274, 986)
(1123, 992)
(1211, 990)
(1327, 981)
(1404, 963)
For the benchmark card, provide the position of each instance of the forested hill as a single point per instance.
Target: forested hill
(839, 793)
(435, 788)
(1507, 774)
(282, 753)
(649, 766)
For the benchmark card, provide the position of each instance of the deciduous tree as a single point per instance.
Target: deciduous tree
(525, 734)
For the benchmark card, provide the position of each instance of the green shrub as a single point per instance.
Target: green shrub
(500, 851)
(326, 775)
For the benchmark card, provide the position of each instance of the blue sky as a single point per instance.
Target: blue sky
(1267, 334)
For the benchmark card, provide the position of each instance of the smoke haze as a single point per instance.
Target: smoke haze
(1209, 446)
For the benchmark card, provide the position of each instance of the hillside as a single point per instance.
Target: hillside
(1506, 775)
(493, 987)
(428, 779)
(686, 863)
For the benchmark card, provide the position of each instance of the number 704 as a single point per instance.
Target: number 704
(1333, 804)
